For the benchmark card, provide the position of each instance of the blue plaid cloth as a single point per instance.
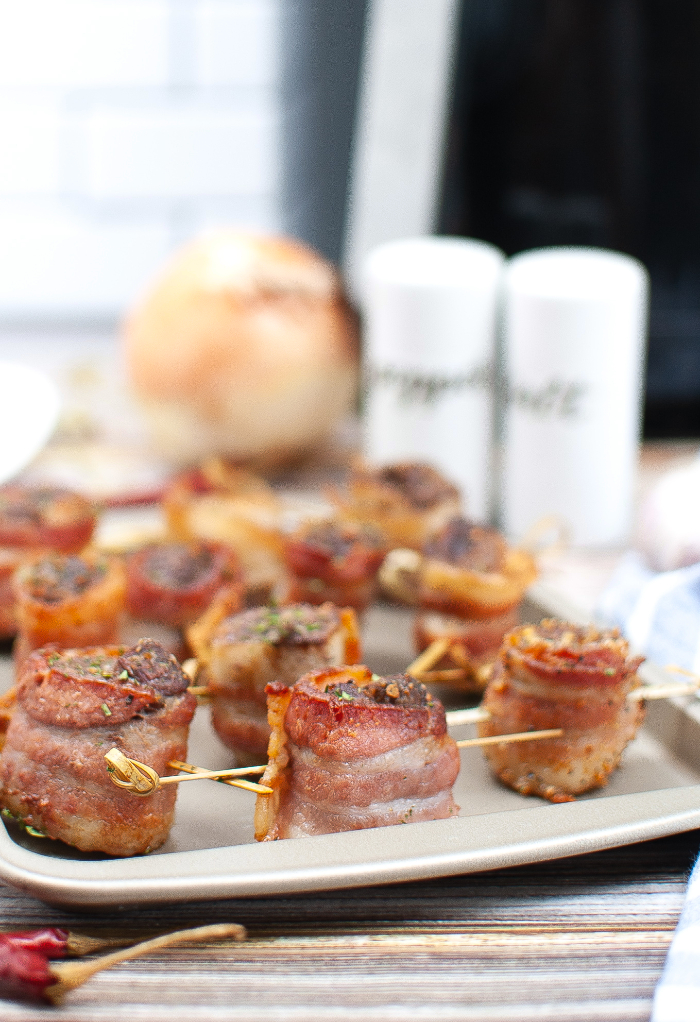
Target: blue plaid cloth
(659, 613)
(676, 998)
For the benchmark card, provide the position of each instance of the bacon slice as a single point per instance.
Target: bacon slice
(174, 583)
(407, 502)
(474, 644)
(558, 675)
(470, 584)
(10, 560)
(331, 561)
(229, 505)
(470, 571)
(240, 653)
(34, 520)
(71, 708)
(350, 750)
(45, 517)
(69, 601)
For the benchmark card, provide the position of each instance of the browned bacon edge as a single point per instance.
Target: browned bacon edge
(558, 675)
(45, 518)
(238, 658)
(71, 618)
(175, 583)
(407, 502)
(333, 562)
(323, 753)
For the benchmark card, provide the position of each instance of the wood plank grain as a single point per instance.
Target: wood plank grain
(568, 941)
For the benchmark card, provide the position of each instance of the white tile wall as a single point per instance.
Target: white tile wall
(84, 43)
(125, 127)
(180, 153)
(30, 160)
(54, 262)
(235, 43)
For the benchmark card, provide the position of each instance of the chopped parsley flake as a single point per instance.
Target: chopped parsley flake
(106, 710)
(22, 823)
(123, 676)
(609, 671)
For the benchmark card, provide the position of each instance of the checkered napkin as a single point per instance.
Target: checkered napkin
(659, 613)
(676, 998)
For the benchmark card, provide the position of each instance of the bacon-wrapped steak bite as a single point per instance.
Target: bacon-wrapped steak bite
(407, 502)
(174, 583)
(558, 675)
(470, 585)
(240, 653)
(73, 707)
(331, 561)
(34, 520)
(351, 750)
(222, 504)
(68, 600)
(45, 518)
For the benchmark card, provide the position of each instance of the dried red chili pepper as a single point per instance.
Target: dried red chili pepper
(26, 975)
(51, 941)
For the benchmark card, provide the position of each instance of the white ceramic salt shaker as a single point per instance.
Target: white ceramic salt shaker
(574, 329)
(429, 345)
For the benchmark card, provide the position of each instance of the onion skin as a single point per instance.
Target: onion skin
(246, 347)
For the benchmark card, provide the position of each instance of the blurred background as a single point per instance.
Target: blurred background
(129, 126)
(126, 127)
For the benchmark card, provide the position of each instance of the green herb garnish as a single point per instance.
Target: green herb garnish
(27, 827)
(106, 710)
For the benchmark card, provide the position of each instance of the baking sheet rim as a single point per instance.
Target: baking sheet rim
(605, 823)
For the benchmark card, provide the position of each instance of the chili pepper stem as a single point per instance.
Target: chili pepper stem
(70, 975)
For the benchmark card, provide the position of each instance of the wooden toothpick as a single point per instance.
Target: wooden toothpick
(140, 779)
(428, 658)
(474, 715)
(189, 768)
(522, 736)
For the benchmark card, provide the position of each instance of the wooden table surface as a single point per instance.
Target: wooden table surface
(579, 939)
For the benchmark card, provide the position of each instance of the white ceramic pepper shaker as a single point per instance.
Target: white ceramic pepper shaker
(429, 342)
(573, 335)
